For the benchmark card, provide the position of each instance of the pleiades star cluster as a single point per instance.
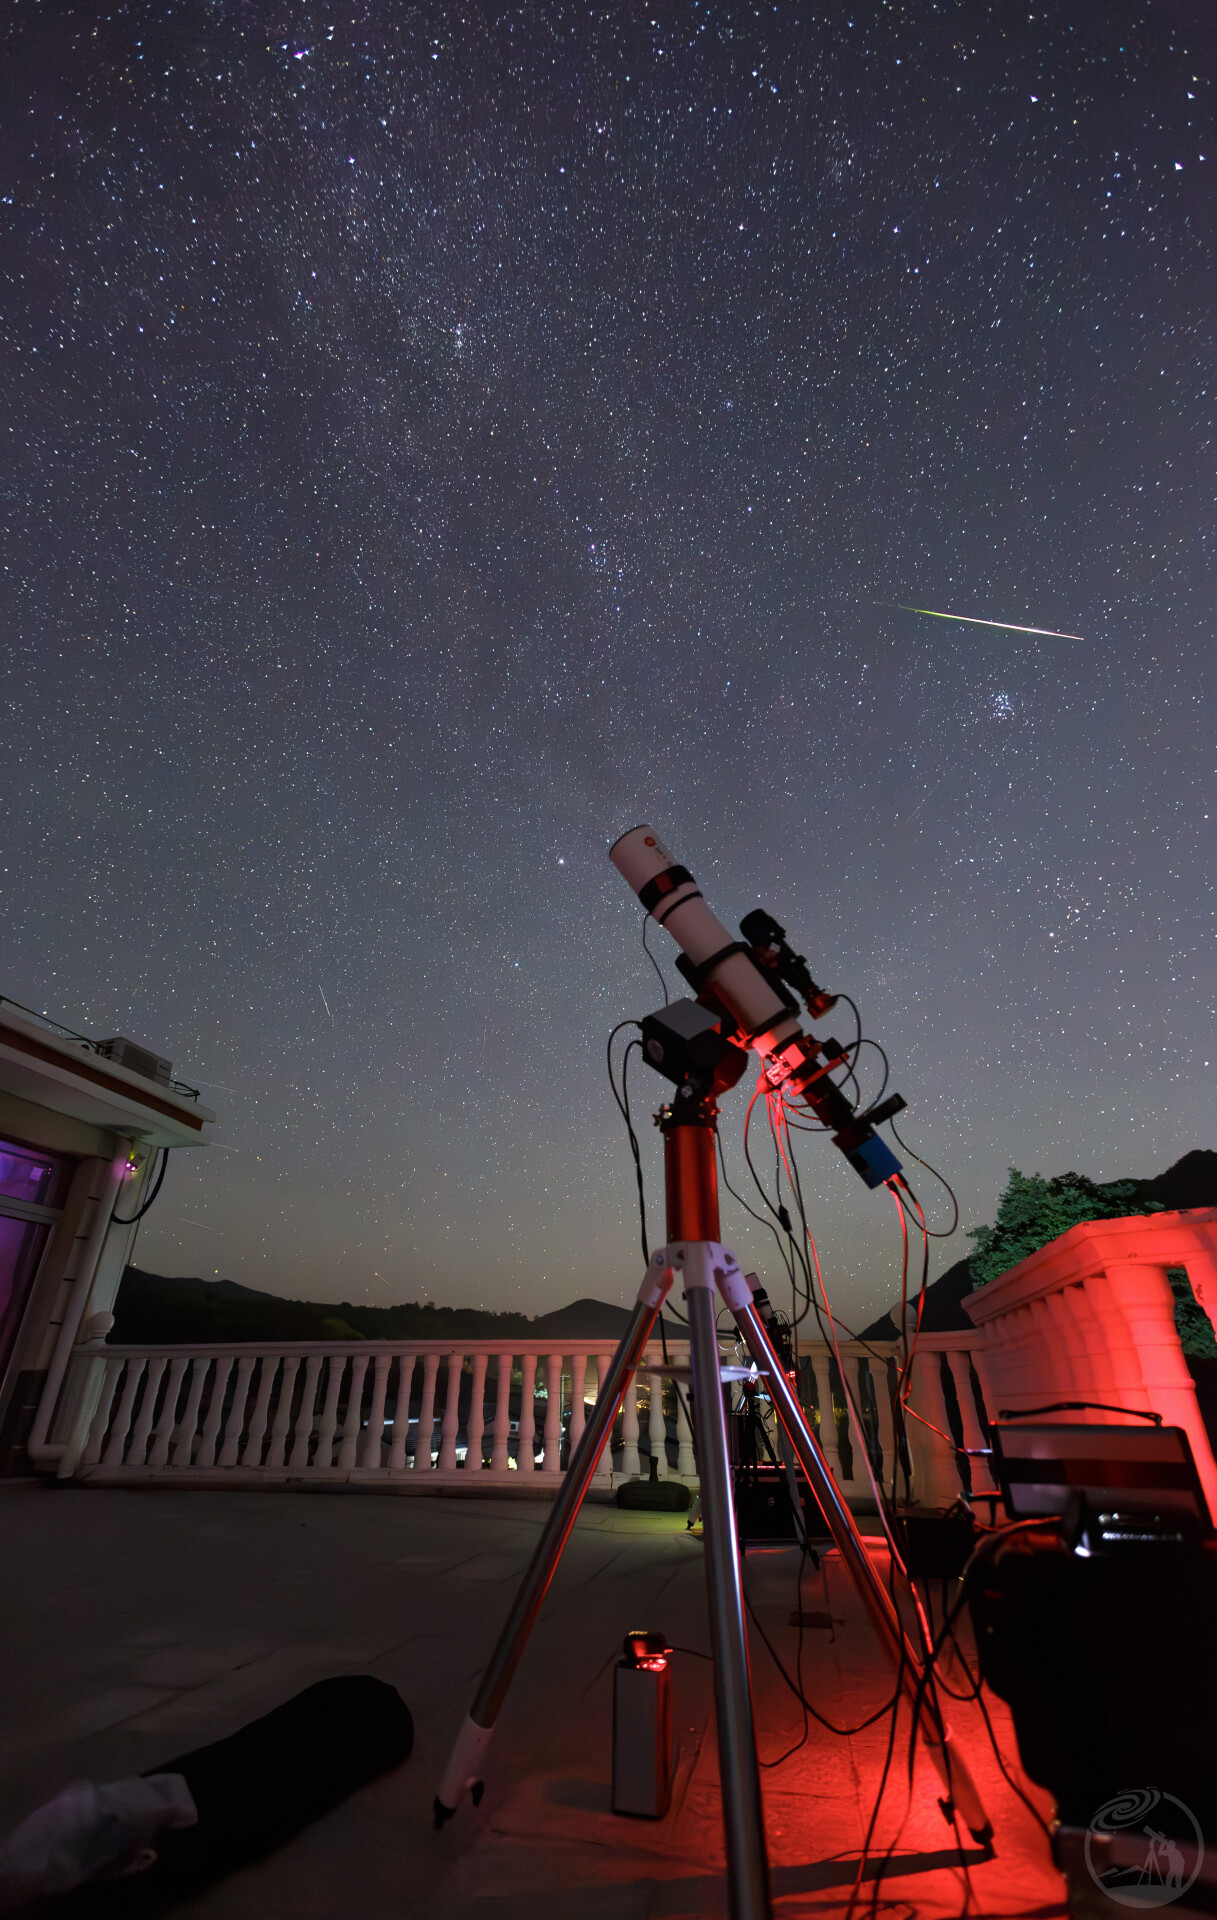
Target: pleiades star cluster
(438, 437)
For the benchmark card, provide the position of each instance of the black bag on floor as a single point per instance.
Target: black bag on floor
(260, 1786)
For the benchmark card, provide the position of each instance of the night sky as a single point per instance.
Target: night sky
(437, 438)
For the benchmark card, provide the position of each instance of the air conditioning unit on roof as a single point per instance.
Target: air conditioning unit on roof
(125, 1053)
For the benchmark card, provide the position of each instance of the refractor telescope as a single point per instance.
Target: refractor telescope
(746, 1000)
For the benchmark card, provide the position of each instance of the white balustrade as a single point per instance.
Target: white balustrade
(305, 1412)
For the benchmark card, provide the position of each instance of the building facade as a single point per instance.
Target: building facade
(84, 1126)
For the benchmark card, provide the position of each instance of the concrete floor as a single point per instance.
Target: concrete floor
(140, 1624)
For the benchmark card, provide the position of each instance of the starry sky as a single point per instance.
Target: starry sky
(437, 438)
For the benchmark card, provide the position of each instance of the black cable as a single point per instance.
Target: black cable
(941, 1179)
(623, 1107)
(654, 962)
(801, 1696)
(131, 1219)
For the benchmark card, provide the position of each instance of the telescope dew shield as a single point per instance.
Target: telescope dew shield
(673, 899)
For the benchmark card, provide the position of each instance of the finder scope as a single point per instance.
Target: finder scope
(747, 982)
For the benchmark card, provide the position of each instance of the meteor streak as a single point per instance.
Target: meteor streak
(970, 620)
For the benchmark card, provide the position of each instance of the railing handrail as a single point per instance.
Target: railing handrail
(214, 1349)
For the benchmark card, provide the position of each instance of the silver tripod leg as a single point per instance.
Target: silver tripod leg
(464, 1769)
(747, 1858)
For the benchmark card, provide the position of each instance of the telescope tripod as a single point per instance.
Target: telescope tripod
(707, 1269)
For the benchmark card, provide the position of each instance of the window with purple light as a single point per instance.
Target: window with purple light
(26, 1175)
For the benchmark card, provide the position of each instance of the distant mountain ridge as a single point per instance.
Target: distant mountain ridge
(157, 1308)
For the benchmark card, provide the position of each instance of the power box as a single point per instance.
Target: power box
(643, 1757)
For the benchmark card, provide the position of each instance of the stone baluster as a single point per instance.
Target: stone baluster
(983, 1480)
(828, 1424)
(450, 1426)
(1147, 1303)
(298, 1458)
(552, 1458)
(101, 1417)
(352, 1426)
(686, 1459)
(426, 1415)
(215, 1412)
(336, 1367)
(597, 1366)
(476, 1429)
(251, 1455)
(276, 1452)
(147, 1408)
(500, 1458)
(236, 1413)
(525, 1455)
(401, 1413)
(159, 1456)
(657, 1431)
(881, 1381)
(116, 1446)
(578, 1403)
(630, 1466)
(183, 1450)
(373, 1439)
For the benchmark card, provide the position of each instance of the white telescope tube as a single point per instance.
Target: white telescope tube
(674, 901)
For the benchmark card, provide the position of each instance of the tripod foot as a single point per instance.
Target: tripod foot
(463, 1772)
